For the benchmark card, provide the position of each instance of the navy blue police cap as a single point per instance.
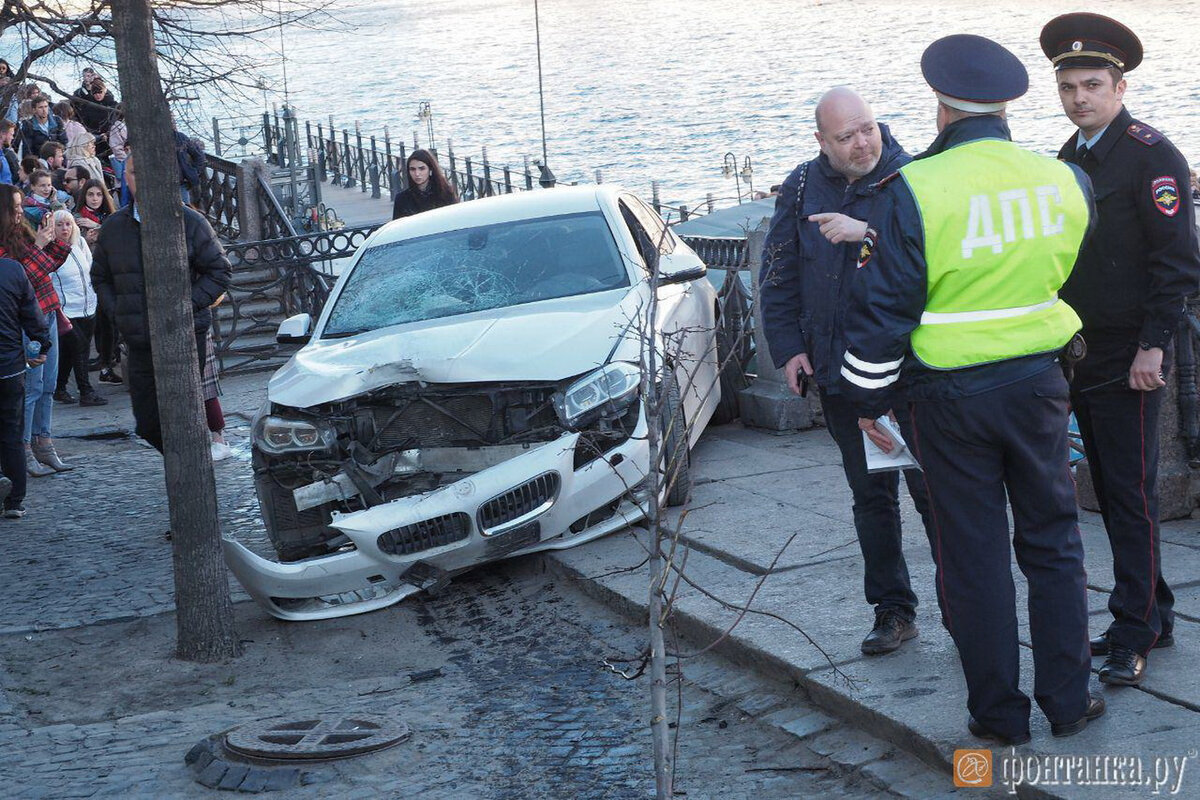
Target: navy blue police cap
(1090, 41)
(973, 73)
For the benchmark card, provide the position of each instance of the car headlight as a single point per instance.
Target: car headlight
(281, 435)
(612, 387)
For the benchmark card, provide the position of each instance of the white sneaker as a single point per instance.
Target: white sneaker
(221, 451)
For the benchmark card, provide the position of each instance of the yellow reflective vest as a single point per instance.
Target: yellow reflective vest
(1002, 228)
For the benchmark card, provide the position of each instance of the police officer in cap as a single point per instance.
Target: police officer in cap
(1129, 289)
(956, 299)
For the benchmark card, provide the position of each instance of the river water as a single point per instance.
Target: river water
(661, 89)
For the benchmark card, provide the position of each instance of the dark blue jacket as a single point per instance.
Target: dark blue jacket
(19, 313)
(887, 298)
(804, 277)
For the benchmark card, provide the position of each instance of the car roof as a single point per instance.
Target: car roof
(532, 204)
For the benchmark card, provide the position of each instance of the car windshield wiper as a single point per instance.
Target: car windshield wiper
(344, 334)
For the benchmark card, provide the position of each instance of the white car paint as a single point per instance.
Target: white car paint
(548, 340)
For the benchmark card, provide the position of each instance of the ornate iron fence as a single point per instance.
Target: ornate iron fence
(718, 252)
(273, 280)
(218, 198)
(352, 159)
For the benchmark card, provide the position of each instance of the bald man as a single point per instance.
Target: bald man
(809, 259)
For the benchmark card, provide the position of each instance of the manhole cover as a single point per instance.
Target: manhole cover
(318, 737)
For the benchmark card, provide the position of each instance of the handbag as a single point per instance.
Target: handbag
(64, 323)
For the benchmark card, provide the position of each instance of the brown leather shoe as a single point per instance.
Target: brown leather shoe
(890, 631)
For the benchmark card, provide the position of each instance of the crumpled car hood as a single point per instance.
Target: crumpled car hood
(545, 341)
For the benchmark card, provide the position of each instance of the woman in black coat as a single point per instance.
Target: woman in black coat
(427, 187)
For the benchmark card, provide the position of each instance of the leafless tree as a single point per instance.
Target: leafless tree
(163, 51)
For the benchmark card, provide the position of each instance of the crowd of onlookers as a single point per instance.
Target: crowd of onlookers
(62, 175)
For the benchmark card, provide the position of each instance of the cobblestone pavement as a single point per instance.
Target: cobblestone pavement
(520, 705)
(91, 547)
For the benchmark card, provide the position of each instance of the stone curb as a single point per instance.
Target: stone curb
(843, 706)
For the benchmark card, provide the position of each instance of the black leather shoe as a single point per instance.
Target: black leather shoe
(1123, 667)
(980, 731)
(63, 396)
(1099, 645)
(1095, 708)
(890, 631)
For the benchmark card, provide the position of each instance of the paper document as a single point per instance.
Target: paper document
(899, 458)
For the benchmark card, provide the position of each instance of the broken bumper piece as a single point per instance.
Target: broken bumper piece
(534, 501)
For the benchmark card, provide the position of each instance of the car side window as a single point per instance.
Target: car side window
(645, 244)
(660, 234)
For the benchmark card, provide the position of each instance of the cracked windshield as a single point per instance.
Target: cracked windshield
(476, 269)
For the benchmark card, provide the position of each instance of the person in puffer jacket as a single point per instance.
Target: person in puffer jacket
(73, 284)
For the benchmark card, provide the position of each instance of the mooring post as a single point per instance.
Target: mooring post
(375, 194)
(654, 196)
(487, 175)
(347, 159)
(362, 157)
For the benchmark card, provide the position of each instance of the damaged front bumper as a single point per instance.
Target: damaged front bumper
(535, 501)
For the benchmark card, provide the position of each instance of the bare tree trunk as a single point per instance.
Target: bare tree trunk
(204, 612)
(654, 391)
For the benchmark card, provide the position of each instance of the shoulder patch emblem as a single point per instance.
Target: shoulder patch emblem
(1144, 133)
(1165, 192)
(868, 247)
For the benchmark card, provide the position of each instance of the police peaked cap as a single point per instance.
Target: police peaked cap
(1090, 41)
(973, 73)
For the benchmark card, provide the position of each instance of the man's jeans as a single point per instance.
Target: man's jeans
(876, 511)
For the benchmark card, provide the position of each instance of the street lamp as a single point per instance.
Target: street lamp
(425, 112)
(730, 170)
(748, 174)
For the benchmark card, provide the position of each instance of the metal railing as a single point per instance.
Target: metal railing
(217, 197)
(718, 251)
(273, 280)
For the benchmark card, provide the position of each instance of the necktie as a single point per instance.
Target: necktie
(1081, 152)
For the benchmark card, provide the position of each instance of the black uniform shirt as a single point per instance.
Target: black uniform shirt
(1142, 260)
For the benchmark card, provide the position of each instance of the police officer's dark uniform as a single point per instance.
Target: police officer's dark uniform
(1129, 289)
(956, 292)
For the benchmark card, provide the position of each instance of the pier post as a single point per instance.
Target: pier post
(267, 137)
(391, 165)
(683, 213)
(347, 160)
(216, 136)
(470, 193)
(321, 156)
(710, 202)
(507, 180)
(487, 176)
(599, 178)
(362, 158)
(250, 222)
(528, 175)
(375, 195)
(768, 402)
(654, 197)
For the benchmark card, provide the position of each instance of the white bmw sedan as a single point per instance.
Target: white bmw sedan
(473, 390)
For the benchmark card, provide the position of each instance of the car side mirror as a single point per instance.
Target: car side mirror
(295, 330)
(680, 268)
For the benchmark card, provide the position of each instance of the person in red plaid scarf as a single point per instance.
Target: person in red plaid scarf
(41, 255)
